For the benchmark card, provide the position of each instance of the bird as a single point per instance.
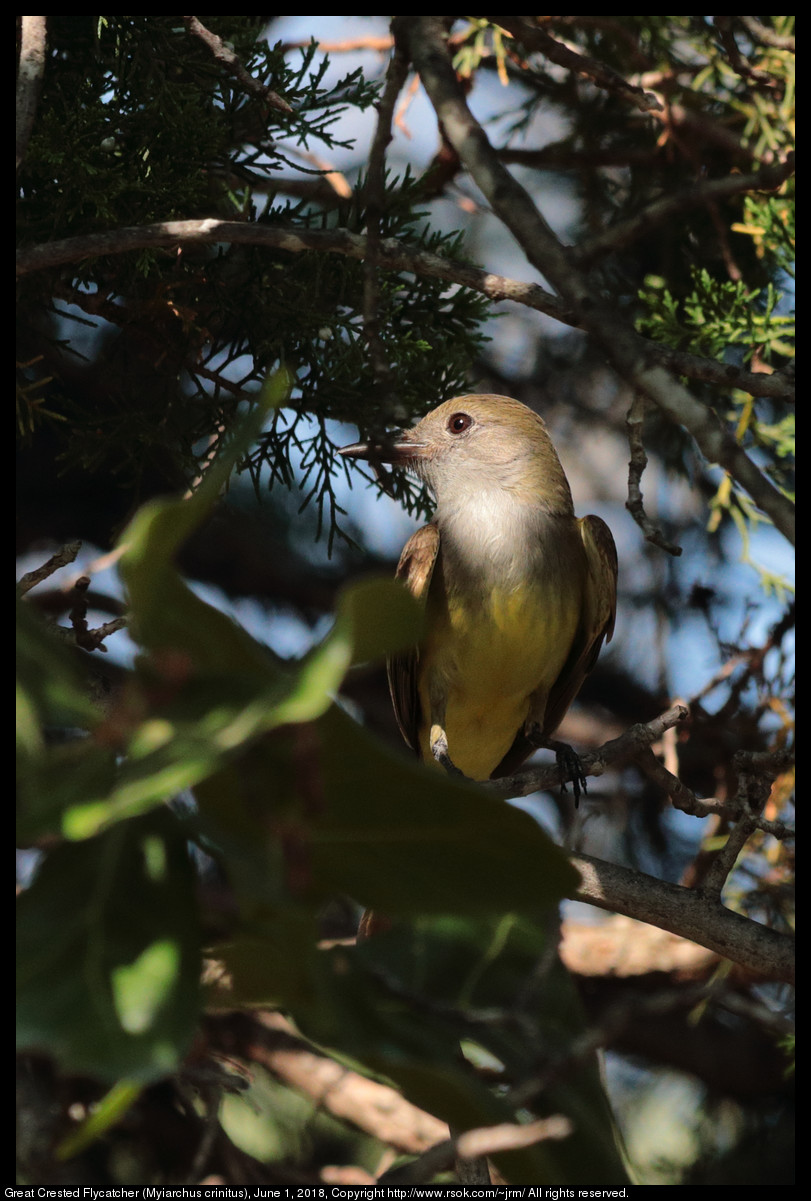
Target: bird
(519, 595)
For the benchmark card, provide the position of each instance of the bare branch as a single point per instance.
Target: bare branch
(476, 1144)
(693, 914)
(29, 78)
(636, 468)
(687, 912)
(687, 802)
(348, 46)
(515, 207)
(737, 60)
(601, 75)
(768, 179)
(594, 763)
(756, 772)
(268, 1039)
(229, 60)
(83, 636)
(762, 33)
(61, 559)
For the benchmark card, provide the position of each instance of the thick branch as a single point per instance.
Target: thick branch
(687, 912)
(29, 78)
(515, 207)
(393, 256)
(375, 1108)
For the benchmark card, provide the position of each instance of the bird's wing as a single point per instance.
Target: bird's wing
(415, 569)
(599, 609)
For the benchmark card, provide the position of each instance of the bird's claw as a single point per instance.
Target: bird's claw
(569, 763)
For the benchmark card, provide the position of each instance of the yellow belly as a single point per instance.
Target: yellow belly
(486, 670)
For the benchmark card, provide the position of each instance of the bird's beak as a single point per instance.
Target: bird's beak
(400, 450)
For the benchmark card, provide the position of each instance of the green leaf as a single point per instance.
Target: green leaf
(408, 839)
(108, 960)
(216, 714)
(498, 985)
(165, 613)
(380, 617)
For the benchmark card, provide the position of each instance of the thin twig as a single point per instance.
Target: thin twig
(686, 801)
(62, 557)
(229, 60)
(737, 60)
(636, 467)
(380, 44)
(375, 199)
(601, 75)
(593, 763)
(83, 636)
(763, 34)
(768, 179)
(756, 773)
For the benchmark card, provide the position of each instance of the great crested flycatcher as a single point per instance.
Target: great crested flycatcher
(519, 594)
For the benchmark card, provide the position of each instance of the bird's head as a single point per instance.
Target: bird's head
(476, 444)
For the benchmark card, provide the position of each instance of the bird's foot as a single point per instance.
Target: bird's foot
(567, 760)
(569, 763)
(439, 749)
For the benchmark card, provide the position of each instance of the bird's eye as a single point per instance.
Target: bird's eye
(459, 422)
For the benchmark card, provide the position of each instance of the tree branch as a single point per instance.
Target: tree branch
(33, 45)
(738, 61)
(224, 55)
(476, 1144)
(393, 256)
(732, 810)
(768, 179)
(694, 914)
(379, 1110)
(515, 207)
(375, 197)
(594, 763)
(762, 33)
(687, 912)
(636, 468)
(66, 555)
(601, 75)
